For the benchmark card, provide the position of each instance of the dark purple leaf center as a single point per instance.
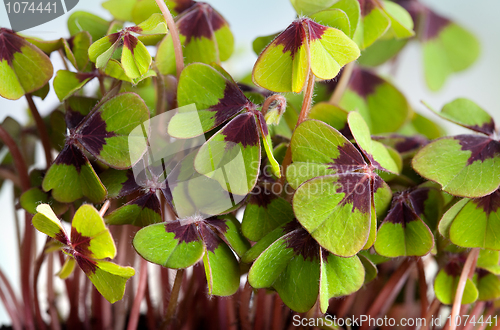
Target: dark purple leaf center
(242, 130)
(366, 6)
(434, 24)
(231, 103)
(364, 83)
(292, 38)
(357, 190)
(10, 43)
(481, 148)
(71, 155)
(200, 21)
(92, 134)
(301, 242)
(489, 204)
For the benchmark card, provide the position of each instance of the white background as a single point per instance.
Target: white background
(252, 18)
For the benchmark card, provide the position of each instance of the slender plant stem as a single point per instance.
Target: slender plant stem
(476, 311)
(141, 290)
(42, 129)
(174, 296)
(260, 310)
(277, 313)
(27, 247)
(389, 291)
(433, 308)
(342, 84)
(151, 314)
(489, 313)
(36, 272)
(279, 99)
(304, 113)
(11, 176)
(179, 58)
(14, 317)
(231, 314)
(104, 208)
(54, 317)
(346, 305)
(244, 310)
(469, 266)
(19, 162)
(422, 283)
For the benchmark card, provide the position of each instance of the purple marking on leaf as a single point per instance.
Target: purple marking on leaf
(367, 6)
(433, 24)
(455, 265)
(183, 233)
(262, 124)
(357, 190)
(242, 130)
(71, 155)
(303, 244)
(400, 213)
(346, 132)
(261, 197)
(61, 237)
(130, 42)
(230, 104)
(183, 5)
(364, 83)
(219, 224)
(149, 201)
(417, 199)
(316, 30)
(80, 243)
(486, 128)
(135, 29)
(92, 134)
(88, 266)
(10, 43)
(481, 148)
(129, 186)
(349, 157)
(114, 37)
(292, 38)
(200, 21)
(488, 204)
(210, 239)
(481, 273)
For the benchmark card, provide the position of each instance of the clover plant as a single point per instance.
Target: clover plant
(309, 188)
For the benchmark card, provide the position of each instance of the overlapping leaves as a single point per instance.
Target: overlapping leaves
(284, 65)
(297, 258)
(222, 102)
(465, 165)
(337, 190)
(89, 245)
(204, 34)
(103, 133)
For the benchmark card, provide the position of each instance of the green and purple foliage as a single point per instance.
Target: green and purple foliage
(309, 180)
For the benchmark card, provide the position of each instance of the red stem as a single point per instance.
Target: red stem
(42, 130)
(422, 283)
(245, 296)
(342, 84)
(469, 266)
(174, 296)
(14, 317)
(27, 245)
(277, 313)
(54, 317)
(389, 291)
(141, 290)
(476, 311)
(179, 58)
(304, 113)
